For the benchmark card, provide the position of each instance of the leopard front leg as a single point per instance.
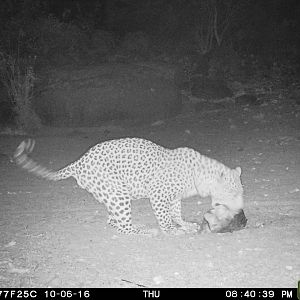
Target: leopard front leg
(176, 216)
(160, 203)
(164, 189)
(119, 209)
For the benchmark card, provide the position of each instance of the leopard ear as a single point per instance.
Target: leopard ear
(238, 170)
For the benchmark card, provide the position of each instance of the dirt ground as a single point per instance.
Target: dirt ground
(54, 234)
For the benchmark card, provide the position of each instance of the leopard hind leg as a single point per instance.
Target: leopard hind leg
(118, 205)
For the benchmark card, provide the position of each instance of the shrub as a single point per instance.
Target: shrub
(18, 78)
(225, 63)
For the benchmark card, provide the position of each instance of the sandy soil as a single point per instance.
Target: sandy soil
(53, 234)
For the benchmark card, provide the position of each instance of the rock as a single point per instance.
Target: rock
(220, 219)
(210, 89)
(83, 96)
(248, 99)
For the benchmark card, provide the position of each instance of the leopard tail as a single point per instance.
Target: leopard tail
(23, 160)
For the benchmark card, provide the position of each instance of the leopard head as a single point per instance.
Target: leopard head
(227, 189)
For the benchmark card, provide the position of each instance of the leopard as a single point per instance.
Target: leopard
(119, 171)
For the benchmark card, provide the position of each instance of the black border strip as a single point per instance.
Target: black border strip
(149, 293)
